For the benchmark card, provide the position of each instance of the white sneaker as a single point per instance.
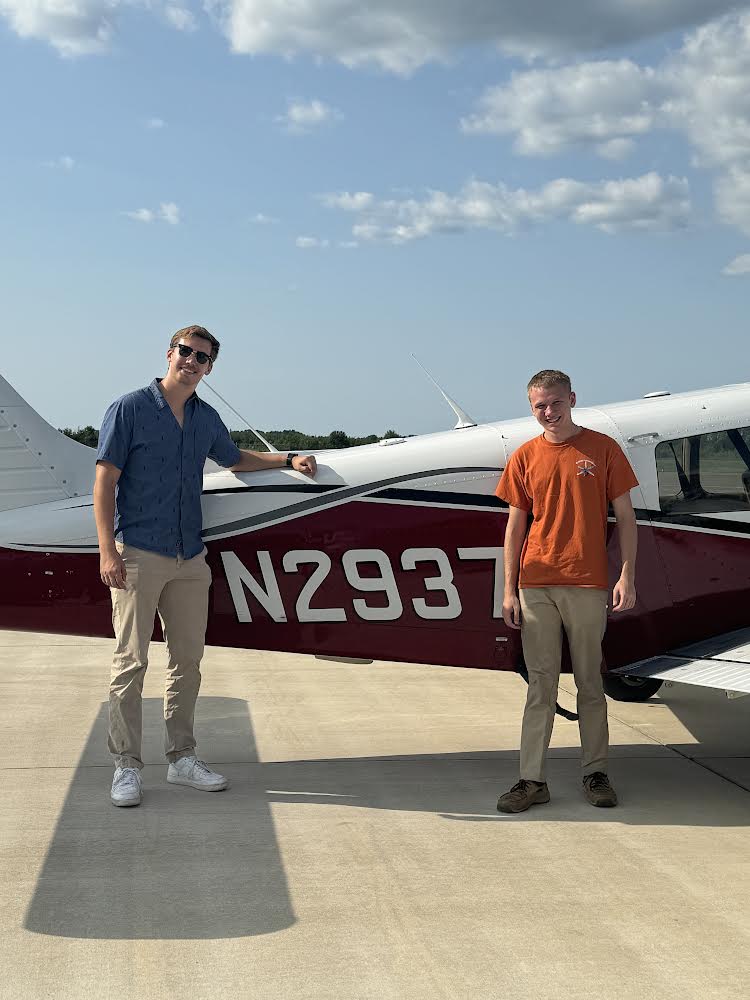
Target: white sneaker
(126, 787)
(197, 774)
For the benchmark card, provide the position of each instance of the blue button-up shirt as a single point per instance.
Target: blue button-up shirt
(158, 505)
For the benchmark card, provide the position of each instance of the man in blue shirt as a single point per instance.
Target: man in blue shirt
(153, 444)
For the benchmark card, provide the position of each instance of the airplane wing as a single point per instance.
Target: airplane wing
(722, 661)
(38, 464)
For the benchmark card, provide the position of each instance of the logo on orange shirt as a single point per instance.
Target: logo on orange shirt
(585, 467)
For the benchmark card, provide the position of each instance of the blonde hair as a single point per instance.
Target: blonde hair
(548, 377)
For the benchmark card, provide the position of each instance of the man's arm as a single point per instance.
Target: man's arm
(623, 595)
(111, 565)
(257, 461)
(515, 533)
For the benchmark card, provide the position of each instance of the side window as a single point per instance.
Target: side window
(705, 473)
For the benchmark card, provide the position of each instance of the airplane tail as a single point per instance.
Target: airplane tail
(38, 464)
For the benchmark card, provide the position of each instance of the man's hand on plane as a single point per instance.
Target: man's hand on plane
(112, 570)
(512, 611)
(305, 464)
(623, 595)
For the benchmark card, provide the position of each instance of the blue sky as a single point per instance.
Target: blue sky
(330, 185)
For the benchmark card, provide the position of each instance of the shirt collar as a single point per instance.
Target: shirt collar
(159, 399)
(157, 394)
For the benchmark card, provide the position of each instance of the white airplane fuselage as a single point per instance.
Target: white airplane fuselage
(395, 550)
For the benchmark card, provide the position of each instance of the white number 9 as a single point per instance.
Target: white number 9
(383, 584)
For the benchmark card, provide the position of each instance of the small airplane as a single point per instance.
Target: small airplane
(395, 550)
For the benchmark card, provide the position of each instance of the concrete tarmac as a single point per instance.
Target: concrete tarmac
(358, 853)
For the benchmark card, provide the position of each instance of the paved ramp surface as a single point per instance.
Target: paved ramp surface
(358, 853)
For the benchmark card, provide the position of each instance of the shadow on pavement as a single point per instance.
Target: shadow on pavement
(720, 725)
(653, 791)
(191, 865)
(185, 864)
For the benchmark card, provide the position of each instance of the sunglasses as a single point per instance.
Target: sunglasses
(200, 356)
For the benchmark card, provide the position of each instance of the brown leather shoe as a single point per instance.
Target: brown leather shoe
(522, 795)
(598, 791)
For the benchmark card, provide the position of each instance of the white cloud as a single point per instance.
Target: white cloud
(709, 78)
(348, 244)
(83, 27)
(73, 27)
(180, 18)
(310, 243)
(167, 212)
(62, 163)
(740, 265)
(549, 110)
(141, 215)
(155, 123)
(401, 35)
(349, 202)
(304, 116)
(259, 219)
(396, 35)
(732, 191)
(648, 202)
(700, 91)
(711, 81)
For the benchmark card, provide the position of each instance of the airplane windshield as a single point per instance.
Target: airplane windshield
(705, 473)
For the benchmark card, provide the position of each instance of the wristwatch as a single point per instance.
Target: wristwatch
(289, 457)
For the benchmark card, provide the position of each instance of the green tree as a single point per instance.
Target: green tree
(286, 440)
(338, 439)
(85, 435)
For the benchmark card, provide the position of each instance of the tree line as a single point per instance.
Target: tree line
(287, 440)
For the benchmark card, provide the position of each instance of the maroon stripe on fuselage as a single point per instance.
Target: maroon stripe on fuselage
(691, 585)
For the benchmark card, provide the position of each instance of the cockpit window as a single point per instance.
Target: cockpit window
(705, 473)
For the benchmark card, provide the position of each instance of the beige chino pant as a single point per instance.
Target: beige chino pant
(178, 589)
(545, 612)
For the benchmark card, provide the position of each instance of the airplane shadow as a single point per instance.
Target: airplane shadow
(190, 865)
(185, 864)
(464, 787)
(721, 727)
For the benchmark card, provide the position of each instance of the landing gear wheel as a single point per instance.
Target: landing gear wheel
(630, 688)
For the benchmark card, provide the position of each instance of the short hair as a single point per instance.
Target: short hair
(197, 331)
(548, 377)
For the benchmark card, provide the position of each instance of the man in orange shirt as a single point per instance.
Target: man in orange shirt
(556, 578)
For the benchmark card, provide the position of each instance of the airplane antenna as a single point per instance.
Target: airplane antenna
(247, 422)
(464, 420)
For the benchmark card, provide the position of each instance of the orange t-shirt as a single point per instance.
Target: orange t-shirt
(568, 488)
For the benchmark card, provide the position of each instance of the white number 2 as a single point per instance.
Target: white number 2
(291, 563)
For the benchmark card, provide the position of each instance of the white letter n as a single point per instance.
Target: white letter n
(269, 598)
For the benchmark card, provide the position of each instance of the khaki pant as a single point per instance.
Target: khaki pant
(178, 589)
(545, 612)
